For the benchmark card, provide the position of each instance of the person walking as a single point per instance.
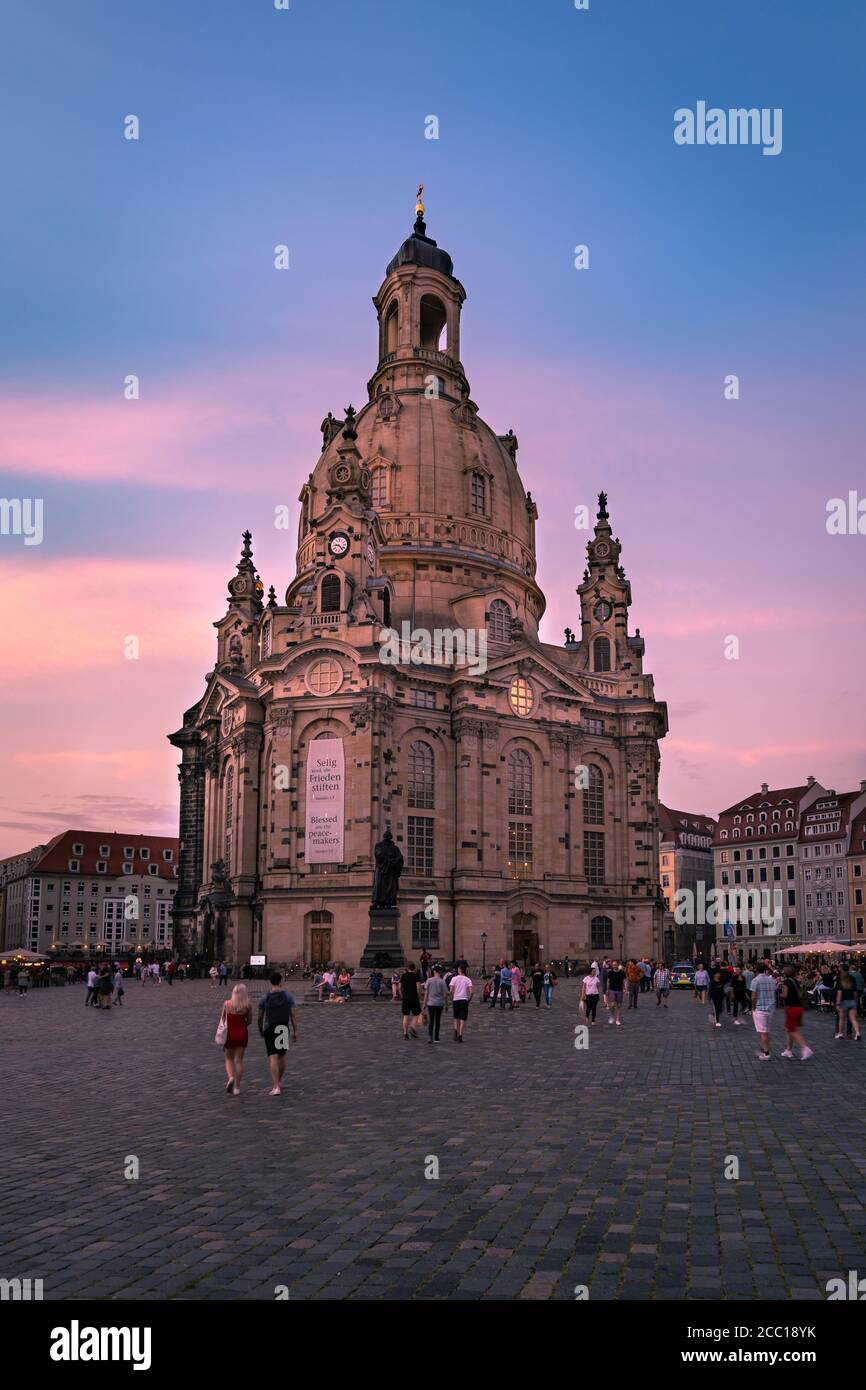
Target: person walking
(411, 1004)
(90, 997)
(23, 983)
(214, 976)
(118, 986)
(763, 1005)
(505, 976)
(615, 981)
(461, 994)
(238, 1014)
(603, 974)
(277, 1014)
(739, 995)
(105, 986)
(549, 983)
(590, 989)
(634, 976)
(537, 979)
(702, 984)
(717, 996)
(793, 1002)
(434, 1002)
(846, 1005)
(515, 985)
(662, 984)
(497, 981)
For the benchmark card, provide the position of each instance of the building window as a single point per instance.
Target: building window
(593, 797)
(379, 487)
(520, 848)
(129, 851)
(593, 726)
(478, 495)
(425, 932)
(601, 654)
(74, 865)
(422, 699)
(228, 815)
(266, 641)
(421, 776)
(593, 856)
(101, 866)
(166, 854)
(519, 783)
(520, 696)
(324, 677)
(419, 848)
(78, 850)
(329, 594)
(499, 621)
(601, 934)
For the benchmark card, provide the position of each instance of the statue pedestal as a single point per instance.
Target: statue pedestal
(383, 941)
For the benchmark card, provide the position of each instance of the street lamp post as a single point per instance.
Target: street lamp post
(484, 955)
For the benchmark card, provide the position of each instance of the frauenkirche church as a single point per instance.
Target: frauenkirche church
(519, 779)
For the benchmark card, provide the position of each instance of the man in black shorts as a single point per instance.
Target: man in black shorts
(277, 1014)
(411, 1009)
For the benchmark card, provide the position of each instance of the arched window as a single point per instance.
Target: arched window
(425, 932)
(421, 776)
(391, 326)
(228, 814)
(593, 797)
(379, 487)
(478, 494)
(601, 654)
(433, 320)
(330, 593)
(519, 783)
(601, 934)
(499, 621)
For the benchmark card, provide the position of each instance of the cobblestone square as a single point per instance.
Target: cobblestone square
(558, 1166)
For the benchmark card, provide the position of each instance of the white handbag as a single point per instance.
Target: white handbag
(222, 1031)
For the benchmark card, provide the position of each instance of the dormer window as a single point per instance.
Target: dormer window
(74, 865)
(499, 621)
(153, 869)
(104, 851)
(330, 594)
(166, 854)
(129, 851)
(101, 867)
(78, 850)
(144, 853)
(478, 494)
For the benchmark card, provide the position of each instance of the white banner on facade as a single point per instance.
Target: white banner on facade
(326, 785)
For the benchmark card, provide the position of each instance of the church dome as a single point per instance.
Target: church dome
(443, 484)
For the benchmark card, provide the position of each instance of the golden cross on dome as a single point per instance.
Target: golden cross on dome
(419, 206)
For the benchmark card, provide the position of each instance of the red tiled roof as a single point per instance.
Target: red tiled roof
(58, 853)
(769, 800)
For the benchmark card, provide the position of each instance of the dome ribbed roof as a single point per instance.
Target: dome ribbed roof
(420, 249)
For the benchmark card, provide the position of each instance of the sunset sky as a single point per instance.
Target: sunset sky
(306, 127)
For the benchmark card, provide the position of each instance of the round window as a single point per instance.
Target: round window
(324, 677)
(520, 696)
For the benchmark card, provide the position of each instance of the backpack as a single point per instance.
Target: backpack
(277, 1010)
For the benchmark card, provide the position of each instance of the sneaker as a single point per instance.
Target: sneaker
(619, 1023)
(275, 1091)
(737, 1023)
(786, 1053)
(229, 1085)
(610, 1020)
(718, 1025)
(840, 1035)
(763, 1056)
(805, 1054)
(236, 1091)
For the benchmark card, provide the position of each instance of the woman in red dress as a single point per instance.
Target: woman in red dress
(238, 1016)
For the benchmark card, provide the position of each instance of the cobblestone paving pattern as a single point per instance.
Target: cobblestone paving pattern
(558, 1167)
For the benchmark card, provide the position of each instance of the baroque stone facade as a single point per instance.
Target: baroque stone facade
(520, 779)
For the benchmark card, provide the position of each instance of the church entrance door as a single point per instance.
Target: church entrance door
(525, 946)
(320, 946)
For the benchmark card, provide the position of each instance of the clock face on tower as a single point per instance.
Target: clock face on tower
(371, 555)
(602, 610)
(338, 544)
